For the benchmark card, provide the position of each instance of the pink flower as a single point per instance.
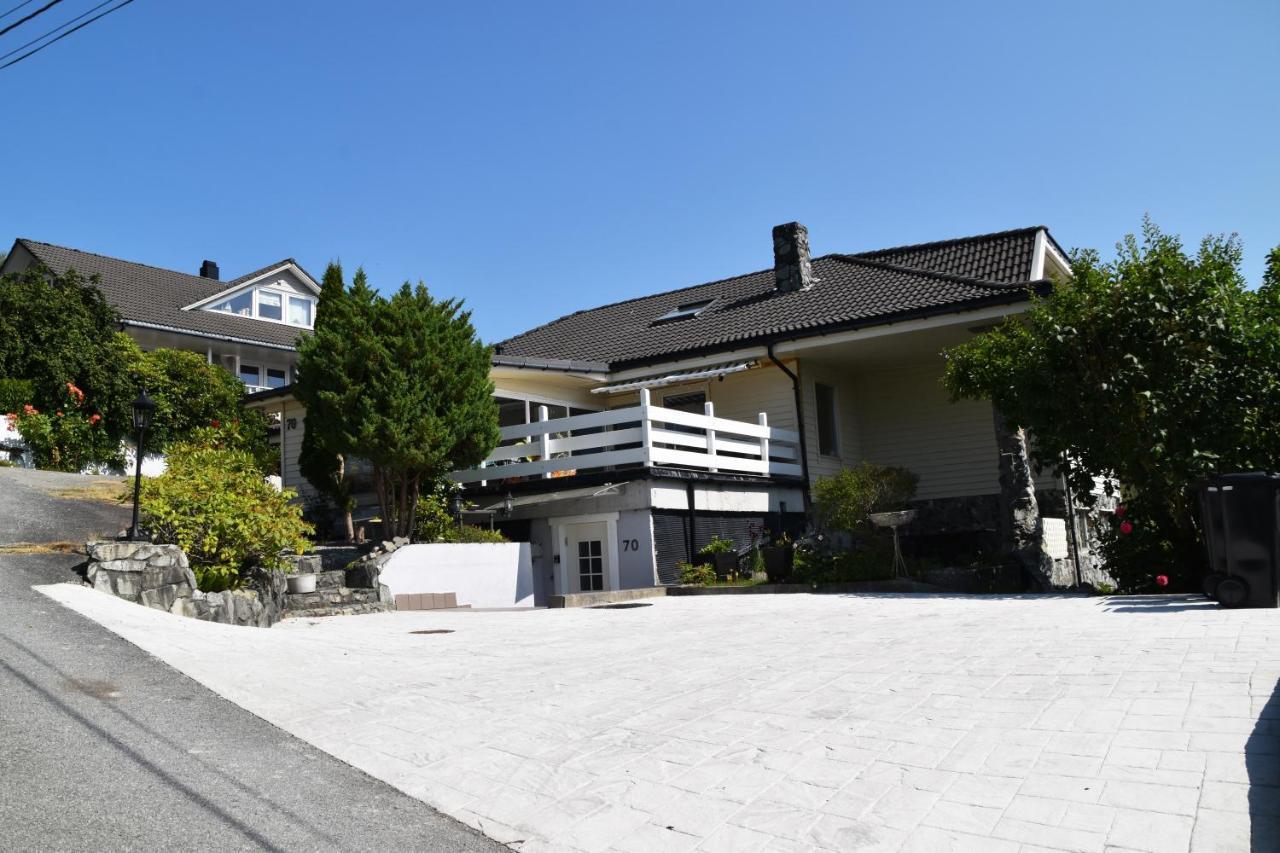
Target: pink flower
(59, 412)
(29, 410)
(1126, 527)
(75, 392)
(94, 418)
(11, 418)
(1162, 580)
(1120, 511)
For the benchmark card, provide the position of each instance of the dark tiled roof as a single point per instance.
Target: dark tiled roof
(850, 291)
(146, 294)
(1004, 256)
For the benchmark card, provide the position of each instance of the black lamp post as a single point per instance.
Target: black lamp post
(144, 408)
(508, 504)
(457, 508)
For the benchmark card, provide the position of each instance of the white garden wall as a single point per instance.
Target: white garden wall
(482, 575)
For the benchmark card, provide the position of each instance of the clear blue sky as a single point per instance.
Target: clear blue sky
(539, 158)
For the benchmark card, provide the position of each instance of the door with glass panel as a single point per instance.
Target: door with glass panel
(587, 557)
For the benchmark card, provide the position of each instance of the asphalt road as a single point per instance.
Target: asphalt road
(102, 747)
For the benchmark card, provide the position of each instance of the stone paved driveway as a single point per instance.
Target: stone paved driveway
(797, 722)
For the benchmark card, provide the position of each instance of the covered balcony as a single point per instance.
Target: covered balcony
(633, 440)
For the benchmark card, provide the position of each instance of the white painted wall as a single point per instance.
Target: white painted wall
(482, 575)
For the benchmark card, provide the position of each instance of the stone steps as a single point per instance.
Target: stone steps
(331, 579)
(336, 610)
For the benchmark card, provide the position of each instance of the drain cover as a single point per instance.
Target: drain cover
(434, 631)
(625, 605)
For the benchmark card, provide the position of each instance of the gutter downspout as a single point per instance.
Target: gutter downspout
(804, 449)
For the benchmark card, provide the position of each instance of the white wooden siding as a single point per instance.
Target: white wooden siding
(848, 436)
(292, 447)
(905, 418)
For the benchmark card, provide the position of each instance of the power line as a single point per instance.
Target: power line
(45, 8)
(64, 35)
(16, 8)
(55, 29)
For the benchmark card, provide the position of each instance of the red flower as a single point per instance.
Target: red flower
(1120, 511)
(1126, 527)
(29, 409)
(1162, 580)
(59, 412)
(75, 392)
(215, 423)
(94, 418)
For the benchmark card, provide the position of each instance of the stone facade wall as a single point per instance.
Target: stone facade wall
(159, 576)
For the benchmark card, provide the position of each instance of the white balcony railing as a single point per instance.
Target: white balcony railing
(643, 435)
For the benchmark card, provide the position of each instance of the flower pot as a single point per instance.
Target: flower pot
(302, 583)
(777, 562)
(725, 564)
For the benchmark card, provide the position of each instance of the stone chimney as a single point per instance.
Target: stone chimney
(791, 268)
(210, 270)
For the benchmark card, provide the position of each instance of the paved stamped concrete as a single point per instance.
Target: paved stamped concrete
(798, 722)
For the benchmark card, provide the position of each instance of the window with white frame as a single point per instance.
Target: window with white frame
(269, 304)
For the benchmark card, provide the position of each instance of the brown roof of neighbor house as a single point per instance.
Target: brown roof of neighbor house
(155, 296)
(868, 288)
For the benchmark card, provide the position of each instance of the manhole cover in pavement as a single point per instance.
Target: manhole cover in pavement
(626, 605)
(434, 631)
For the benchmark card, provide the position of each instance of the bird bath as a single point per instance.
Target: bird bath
(894, 521)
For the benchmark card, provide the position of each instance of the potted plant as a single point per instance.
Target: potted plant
(300, 572)
(778, 559)
(723, 556)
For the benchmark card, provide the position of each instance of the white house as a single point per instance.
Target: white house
(635, 431)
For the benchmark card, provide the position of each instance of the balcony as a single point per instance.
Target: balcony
(643, 436)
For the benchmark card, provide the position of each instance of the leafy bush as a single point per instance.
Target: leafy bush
(696, 575)
(434, 518)
(717, 545)
(470, 534)
(15, 393)
(844, 501)
(1155, 369)
(214, 503)
(70, 437)
(870, 559)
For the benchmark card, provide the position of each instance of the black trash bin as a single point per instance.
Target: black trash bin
(1240, 514)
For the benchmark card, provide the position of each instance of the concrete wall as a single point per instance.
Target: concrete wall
(482, 575)
(636, 555)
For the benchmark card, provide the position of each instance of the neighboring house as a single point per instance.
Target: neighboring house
(633, 432)
(249, 325)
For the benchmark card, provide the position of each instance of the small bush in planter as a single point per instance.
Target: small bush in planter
(777, 558)
(214, 503)
(844, 501)
(696, 575)
(722, 554)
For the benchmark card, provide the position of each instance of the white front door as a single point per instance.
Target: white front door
(586, 556)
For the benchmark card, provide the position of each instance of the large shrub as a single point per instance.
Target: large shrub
(67, 438)
(1155, 369)
(214, 502)
(844, 501)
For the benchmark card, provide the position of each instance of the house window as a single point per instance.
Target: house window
(591, 565)
(251, 374)
(276, 378)
(241, 304)
(269, 305)
(825, 400)
(300, 311)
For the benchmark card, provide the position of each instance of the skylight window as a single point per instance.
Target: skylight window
(681, 312)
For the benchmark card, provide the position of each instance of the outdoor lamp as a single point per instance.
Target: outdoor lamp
(144, 409)
(508, 504)
(456, 505)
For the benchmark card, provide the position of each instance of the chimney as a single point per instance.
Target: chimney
(210, 270)
(791, 268)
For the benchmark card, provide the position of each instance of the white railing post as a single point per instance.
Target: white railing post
(544, 442)
(763, 420)
(709, 409)
(646, 428)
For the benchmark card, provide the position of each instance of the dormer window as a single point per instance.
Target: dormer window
(681, 312)
(269, 304)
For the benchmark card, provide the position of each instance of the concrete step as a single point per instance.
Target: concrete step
(337, 610)
(332, 597)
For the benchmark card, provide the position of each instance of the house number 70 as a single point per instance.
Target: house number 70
(631, 544)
